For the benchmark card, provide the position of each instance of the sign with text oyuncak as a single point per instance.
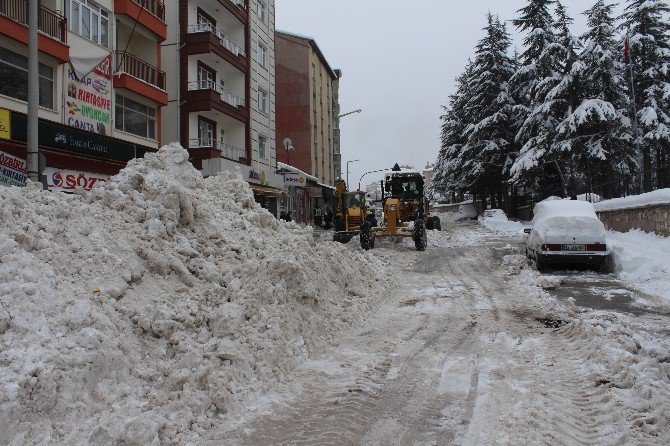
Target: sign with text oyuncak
(88, 101)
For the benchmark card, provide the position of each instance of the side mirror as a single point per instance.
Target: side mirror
(527, 230)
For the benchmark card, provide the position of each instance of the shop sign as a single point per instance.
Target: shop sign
(62, 137)
(314, 192)
(294, 180)
(5, 124)
(258, 177)
(12, 170)
(68, 180)
(88, 104)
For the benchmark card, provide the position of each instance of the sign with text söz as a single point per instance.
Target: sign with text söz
(88, 101)
(68, 180)
(12, 170)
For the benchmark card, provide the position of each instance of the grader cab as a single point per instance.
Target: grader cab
(405, 210)
(352, 212)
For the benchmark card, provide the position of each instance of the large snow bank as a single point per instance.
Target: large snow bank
(561, 218)
(643, 261)
(146, 310)
(661, 196)
(496, 221)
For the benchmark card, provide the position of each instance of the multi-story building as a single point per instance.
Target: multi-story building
(101, 86)
(308, 114)
(220, 63)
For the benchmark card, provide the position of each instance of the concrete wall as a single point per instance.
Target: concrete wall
(650, 219)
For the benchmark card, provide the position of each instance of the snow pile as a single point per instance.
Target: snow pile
(144, 311)
(561, 218)
(642, 260)
(657, 197)
(496, 221)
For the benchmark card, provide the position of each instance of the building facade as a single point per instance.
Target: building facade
(219, 57)
(308, 115)
(101, 86)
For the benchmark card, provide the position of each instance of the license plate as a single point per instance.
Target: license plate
(573, 248)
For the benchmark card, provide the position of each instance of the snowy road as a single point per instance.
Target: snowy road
(472, 351)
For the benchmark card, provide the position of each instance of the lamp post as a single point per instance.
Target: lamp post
(352, 161)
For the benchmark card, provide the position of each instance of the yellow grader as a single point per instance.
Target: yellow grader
(352, 211)
(405, 211)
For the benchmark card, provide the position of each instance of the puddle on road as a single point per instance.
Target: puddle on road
(599, 293)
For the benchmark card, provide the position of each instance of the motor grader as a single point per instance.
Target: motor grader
(405, 210)
(352, 211)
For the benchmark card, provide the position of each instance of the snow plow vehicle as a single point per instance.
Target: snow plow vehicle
(405, 210)
(352, 211)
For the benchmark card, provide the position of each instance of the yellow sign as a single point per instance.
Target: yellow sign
(5, 124)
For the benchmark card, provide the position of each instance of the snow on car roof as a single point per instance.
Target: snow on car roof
(564, 217)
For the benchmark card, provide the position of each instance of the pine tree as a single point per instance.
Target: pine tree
(648, 25)
(448, 177)
(539, 73)
(596, 131)
(490, 133)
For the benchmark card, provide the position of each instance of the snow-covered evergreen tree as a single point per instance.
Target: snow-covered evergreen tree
(538, 74)
(490, 115)
(596, 132)
(448, 177)
(648, 24)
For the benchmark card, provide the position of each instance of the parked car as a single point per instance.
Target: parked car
(567, 233)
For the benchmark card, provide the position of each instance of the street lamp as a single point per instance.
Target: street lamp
(352, 161)
(350, 113)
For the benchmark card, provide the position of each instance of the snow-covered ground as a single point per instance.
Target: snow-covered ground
(661, 196)
(158, 305)
(642, 261)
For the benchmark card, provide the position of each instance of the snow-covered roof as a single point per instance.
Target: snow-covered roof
(661, 196)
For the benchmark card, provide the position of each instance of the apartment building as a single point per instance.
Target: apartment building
(308, 115)
(101, 86)
(219, 57)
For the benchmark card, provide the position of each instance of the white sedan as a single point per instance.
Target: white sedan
(565, 233)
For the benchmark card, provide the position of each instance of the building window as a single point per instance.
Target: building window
(262, 11)
(133, 117)
(262, 54)
(14, 75)
(205, 21)
(206, 132)
(88, 20)
(262, 144)
(262, 100)
(206, 77)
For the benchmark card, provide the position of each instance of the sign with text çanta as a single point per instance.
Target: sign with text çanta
(88, 101)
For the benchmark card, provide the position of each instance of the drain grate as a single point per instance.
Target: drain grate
(551, 323)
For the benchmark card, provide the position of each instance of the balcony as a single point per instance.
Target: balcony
(140, 77)
(205, 39)
(226, 150)
(52, 27)
(238, 8)
(148, 13)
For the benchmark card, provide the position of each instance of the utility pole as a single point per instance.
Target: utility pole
(32, 159)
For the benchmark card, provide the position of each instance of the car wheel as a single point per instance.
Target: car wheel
(607, 266)
(540, 263)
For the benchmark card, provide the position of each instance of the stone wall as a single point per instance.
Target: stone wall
(654, 218)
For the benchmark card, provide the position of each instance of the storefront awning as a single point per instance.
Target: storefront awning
(267, 190)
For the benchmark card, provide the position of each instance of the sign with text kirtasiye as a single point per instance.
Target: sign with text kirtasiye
(88, 101)
(12, 170)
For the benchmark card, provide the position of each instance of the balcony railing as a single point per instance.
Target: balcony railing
(226, 95)
(155, 7)
(139, 69)
(226, 41)
(227, 150)
(48, 22)
(239, 3)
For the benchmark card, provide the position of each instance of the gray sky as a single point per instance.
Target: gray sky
(399, 60)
